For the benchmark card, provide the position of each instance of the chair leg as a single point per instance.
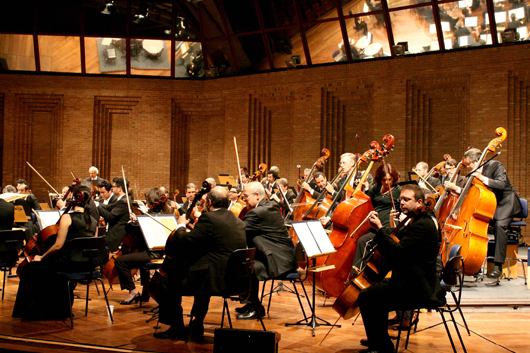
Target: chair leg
(97, 288)
(299, 301)
(106, 299)
(461, 314)
(270, 296)
(400, 315)
(447, 330)
(458, 331)
(306, 296)
(86, 306)
(4, 284)
(70, 306)
(417, 312)
(257, 311)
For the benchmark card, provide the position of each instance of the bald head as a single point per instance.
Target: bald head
(219, 197)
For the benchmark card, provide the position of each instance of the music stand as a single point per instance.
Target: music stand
(316, 243)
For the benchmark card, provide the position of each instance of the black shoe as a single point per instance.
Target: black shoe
(496, 272)
(172, 334)
(251, 314)
(196, 330)
(407, 323)
(244, 308)
(135, 299)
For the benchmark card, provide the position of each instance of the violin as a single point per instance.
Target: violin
(346, 305)
(44, 240)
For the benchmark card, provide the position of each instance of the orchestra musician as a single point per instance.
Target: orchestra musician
(450, 168)
(23, 188)
(414, 282)
(93, 178)
(171, 203)
(125, 263)
(116, 215)
(311, 181)
(7, 215)
(41, 294)
(199, 270)
(321, 185)
(233, 195)
(271, 186)
(422, 169)
(191, 191)
(107, 197)
(283, 184)
(494, 176)
(266, 232)
(244, 179)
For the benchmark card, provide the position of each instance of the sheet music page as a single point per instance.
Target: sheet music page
(155, 234)
(48, 218)
(306, 238)
(321, 237)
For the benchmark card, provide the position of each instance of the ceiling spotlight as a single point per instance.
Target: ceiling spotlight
(142, 13)
(109, 6)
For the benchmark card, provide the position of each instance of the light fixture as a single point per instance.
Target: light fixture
(141, 14)
(109, 5)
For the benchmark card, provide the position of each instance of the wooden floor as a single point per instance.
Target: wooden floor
(493, 328)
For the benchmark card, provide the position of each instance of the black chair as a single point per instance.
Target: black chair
(85, 255)
(294, 278)
(238, 277)
(8, 252)
(452, 282)
(518, 221)
(145, 274)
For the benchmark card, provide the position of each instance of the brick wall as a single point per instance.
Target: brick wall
(168, 132)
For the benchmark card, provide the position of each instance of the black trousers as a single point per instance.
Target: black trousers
(500, 230)
(125, 263)
(375, 304)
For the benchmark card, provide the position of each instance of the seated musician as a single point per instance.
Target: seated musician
(245, 177)
(116, 215)
(321, 184)
(125, 263)
(233, 195)
(105, 193)
(271, 186)
(171, 203)
(7, 214)
(266, 232)
(450, 169)
(283, 189)
(422, 169)
(311, 181)
(200, 265)
(414, 282)
(41, 294)
(191, 191)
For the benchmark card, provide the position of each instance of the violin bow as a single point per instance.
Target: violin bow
(126, 191)
(238, 165)
(35, 170)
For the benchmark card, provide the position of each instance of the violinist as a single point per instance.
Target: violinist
(199, 270)
(116, 215)
(494, 176)
(106, 195)
(172, 204)
(266, 232)
(125, 263)
(41, 294)
(414, 282)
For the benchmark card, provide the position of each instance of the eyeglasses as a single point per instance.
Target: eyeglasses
(247, 195)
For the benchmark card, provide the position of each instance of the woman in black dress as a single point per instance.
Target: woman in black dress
(41, 293)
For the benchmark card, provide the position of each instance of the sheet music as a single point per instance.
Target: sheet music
(313, 237)
(155, 234)
(49, 217)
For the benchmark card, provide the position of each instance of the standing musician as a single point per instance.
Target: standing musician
(450, 168)
(494, 176)
(93, 178)
(125, 263)
(41, 294)
(116, 215)
(311, 181)
(414, 282)
(283, 189)
(274, 249)
(199, 269)
(321, 185)
(105, 192)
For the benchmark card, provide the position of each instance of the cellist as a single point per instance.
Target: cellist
(414, 282)
(494, 176)
(41, 294)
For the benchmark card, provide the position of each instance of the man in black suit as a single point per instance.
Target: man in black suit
(94, 179)
(271, 186)
(106, 196)
(7, 215)
(30, 199)
(116, 215)
(199, 266)
(414, 282)
(283, 201)
(422, 169)
(321, 184)
(191, 191)
(266, 232)
(494, 176)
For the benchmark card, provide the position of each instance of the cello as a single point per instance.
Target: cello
(346, 305)
(171, 251)
(346, 231)
(239, 208)
(467, 223)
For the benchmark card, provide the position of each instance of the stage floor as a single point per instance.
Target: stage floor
(498, 317)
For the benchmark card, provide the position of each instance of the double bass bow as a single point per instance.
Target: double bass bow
(467, 223)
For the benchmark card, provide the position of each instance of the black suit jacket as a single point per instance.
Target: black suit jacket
(96, 182)
(33, 202)
(116, 216)
(414, 280)
(7, 215)
(267, 232)
(204, 252)
(508, 203)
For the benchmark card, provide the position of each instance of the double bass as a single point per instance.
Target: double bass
(346, 305)
(347, 218)
(467, 223)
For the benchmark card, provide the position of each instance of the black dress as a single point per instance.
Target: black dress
(42, 292)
